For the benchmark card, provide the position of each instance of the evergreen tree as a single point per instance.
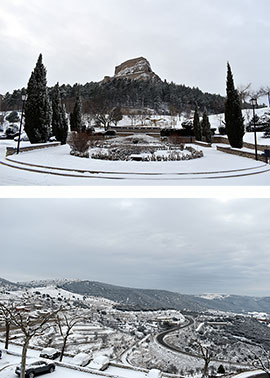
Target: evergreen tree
(233, 113)
(221, 370)
(197, 125)
(206, 128)
(76, 122)
(59, 120)
(38, 107)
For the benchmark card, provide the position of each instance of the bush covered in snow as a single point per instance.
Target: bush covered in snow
(13, 117)
(11, 131)
(81, 141)
(124, 155)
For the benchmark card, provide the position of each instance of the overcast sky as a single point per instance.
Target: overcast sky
(187, 246)
(186, 41)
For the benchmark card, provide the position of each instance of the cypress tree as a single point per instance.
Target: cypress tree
(233, 113)
(197, 125)
(59, 120)
(76, 123)
(206, 128)
(37, 106)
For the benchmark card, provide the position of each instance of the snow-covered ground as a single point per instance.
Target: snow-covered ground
(9, 362)
(209, 170)
(214, 169)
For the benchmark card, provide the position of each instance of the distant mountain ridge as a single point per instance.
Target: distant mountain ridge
(132, 298)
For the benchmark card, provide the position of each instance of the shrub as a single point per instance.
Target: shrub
(176, 132)
(79, 143)
(188, 124)
(13, 117)
(110, 133)
(12, 131)
(222, 130)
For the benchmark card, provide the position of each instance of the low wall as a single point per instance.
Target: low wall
(246, 154)
(13, 150)
(138, 128)
(220, 139)
(260, 147)
(224, 140)
(202, 144)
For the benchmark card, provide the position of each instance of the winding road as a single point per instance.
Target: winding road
(160, 338)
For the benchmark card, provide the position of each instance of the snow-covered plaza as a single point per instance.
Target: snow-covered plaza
(55, 166)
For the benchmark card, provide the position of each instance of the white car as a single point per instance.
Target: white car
(50, 353)
(99, 363)
(81, 359)
(154, 373)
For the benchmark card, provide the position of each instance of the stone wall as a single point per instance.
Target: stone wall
(246, 154)
(13, 150)
(224, 140)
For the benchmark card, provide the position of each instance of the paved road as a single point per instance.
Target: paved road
(160, 339)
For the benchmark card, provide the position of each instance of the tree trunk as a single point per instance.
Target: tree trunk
(7, 334)
(23, 360)
(63, 349)
(205, 369)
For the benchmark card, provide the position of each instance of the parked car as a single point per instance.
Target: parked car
(81, 359)
(99, 363)
(154, 373)
(36, 368)
(50, 353)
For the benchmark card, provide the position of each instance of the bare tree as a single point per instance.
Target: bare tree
(142, 116)
(103, 114)
(133, 116)
(65, 324)
(244, 91)
(206, 354)
(262, 362)
(265, 91)
(21, 318)
(6, 317)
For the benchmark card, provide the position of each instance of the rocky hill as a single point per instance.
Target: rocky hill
(133, 86)
(134, 69)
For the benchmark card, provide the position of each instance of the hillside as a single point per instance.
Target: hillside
(130, 298)
(165, 299)
(133, 86)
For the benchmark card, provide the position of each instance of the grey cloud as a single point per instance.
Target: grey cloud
(181, 245)
(186, 41)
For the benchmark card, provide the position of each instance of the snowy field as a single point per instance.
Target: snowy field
(215, 168)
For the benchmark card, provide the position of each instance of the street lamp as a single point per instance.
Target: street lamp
(24, 98)
(254, 105)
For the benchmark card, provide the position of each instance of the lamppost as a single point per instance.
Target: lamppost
(254, 105)
(24, 98)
